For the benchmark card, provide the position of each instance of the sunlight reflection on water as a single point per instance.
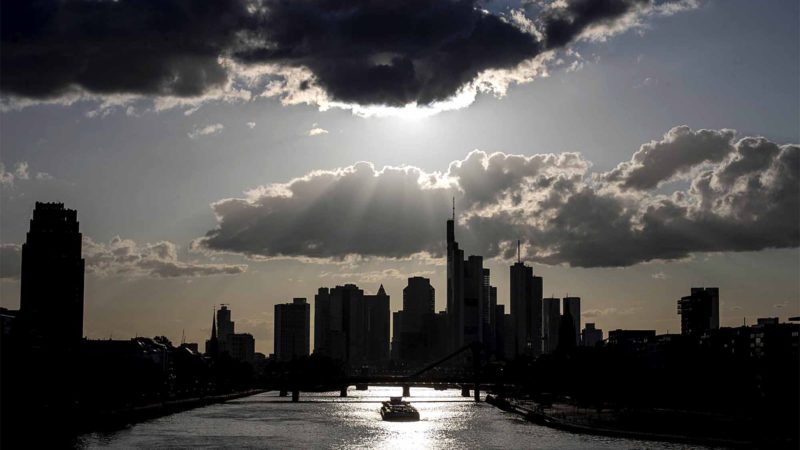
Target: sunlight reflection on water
(324, 420)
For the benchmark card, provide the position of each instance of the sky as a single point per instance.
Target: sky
(248, 152)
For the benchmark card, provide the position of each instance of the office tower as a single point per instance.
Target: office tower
(419, 298)
(489, 314)
(500, 332)
(51, 288)
(322, 325)
(241, 347)
(526, 309)
(465, 293)
(351, 326)
(551, 319)
(413, 331)
(591, 335)
(455, 288)
(699, 311)
(292, 329)
(225, 327)
(573, 305)
(377, 314)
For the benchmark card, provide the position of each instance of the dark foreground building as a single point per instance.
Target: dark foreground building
(51, 292)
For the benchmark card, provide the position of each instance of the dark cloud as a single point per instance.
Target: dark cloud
(746, 200)
(151, 47)
(562, 25)
(358, 51)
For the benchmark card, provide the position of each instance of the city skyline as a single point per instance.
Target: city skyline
(466, 310)
(143, 168)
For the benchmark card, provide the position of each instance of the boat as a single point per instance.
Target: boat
(398, 410)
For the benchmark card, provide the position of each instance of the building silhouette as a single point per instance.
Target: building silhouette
(591, 336)
(292, 329)
(377, 317)
(241, 347)
(351, 326)
(526, 308)
(699, 311)
(225, 327)
(551, 319)
(51, 289)
(224, 339)
(414, 331)
(573, 306)
(212, 344)
(465, 293)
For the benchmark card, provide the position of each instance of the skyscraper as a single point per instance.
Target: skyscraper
(465, 293)
(51, 291)
(350, 326)
(292, 329)
(699, 311)
(225, 326)
(526, 309)
(573, 305)
(377, 315)
(455, 288)
(551, 318)
(413, 326)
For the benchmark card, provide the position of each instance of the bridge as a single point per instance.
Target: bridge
(416, 379)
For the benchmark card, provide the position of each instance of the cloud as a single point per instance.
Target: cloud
(21, 172)
(207, 130)
(678, 151)
(10, 261)
(251, 125)
(127, 258)
(328, 53)
(742, 200)
(660, 276)
(316, 130)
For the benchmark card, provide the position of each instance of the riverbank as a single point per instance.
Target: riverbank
(690, 428)
(125, 416)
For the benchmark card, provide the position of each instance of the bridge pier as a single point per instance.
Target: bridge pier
(477, 391)
(406, 390)
(295, 396)
(282, 393)
(343, 392)
(464, 391)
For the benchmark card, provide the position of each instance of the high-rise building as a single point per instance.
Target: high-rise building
(225, 326)
(350, 326)
(51, 288)
(591, 335)
(526, 309)
(292, 329)
(551, 319)
(413, 326)
(241, 347)
(699, 311)
(573, 305)
(377, 315)
(465, 293)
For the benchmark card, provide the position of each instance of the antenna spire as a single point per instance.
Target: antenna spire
(454, 209)
(519, 252)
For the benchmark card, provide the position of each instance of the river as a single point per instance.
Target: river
(324, 420)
